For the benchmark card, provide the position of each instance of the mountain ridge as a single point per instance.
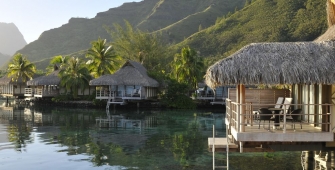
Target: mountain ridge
(77, 34)
(215, 28)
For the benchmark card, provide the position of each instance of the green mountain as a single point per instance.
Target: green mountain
(215, 28)
(261, 21)
(151, 15)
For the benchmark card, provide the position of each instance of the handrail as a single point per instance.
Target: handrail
(233, 114)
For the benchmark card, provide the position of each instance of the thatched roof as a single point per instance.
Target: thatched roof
(329, 35)
(276, 63)
(331, 12)
(50, 79)
(8, 80)
(5, 80)
(131, 73)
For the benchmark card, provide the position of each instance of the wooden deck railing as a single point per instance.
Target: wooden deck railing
(116, 94)
(28, 92)
(241, 115)
(45, 92)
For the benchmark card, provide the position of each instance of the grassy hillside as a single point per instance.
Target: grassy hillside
(261, 21)
(215, 28)
(79, 32)
(200, 20)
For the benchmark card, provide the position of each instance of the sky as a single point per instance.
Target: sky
(32, 17)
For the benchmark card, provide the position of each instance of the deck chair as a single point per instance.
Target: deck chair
(286, 105)
(265, 115)
(136, 93)
(295, 116)
(279, 103)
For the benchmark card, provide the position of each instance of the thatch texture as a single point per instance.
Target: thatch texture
(51, 79)
(5, 80)
(276, 63)
(329, 35)
(331, 12)
(131, 73)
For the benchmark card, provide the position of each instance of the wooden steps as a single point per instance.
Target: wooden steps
(221, 143)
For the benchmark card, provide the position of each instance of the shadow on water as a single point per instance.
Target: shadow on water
(134, 139)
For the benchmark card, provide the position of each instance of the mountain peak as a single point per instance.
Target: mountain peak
(11, 39)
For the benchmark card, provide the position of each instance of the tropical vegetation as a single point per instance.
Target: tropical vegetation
(59, 62)
(21, 69)
(188, 67)
(134, 44)
(102, 58)
(215, 28)
(171, 50)
(75, 76)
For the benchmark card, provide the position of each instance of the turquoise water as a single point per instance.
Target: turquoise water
(34, 137)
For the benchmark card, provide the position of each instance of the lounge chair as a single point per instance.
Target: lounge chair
(286, 105)
(295, 116)
(279, 103)
(264, 114)
(136, 93)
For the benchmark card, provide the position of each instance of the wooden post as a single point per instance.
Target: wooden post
(241, 101)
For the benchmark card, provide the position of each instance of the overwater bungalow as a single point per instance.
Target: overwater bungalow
(206, 93)
(307, 67)
(43, 86)
(130, 83)
(49, 86)
(9, 88)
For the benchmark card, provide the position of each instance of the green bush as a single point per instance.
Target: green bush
(98, 102)
(176, 96)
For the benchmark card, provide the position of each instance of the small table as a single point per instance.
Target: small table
(277, 116)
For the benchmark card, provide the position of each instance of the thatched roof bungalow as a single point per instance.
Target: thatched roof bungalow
(308, 67)
(43, 86)
(130, 82)
(131, 73)
(11, 88)
(50, 79)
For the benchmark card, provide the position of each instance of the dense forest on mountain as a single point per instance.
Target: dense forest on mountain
(214, 28)
(262, 21)
(148, 15)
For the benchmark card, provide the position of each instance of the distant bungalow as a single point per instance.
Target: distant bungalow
(44, 86)
(9, 88)
(49, 86)
(130, 83)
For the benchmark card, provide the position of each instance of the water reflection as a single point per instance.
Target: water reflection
(60, 138)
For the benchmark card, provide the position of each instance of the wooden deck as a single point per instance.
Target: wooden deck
(266, 133)
(221, 144)
(265, 139)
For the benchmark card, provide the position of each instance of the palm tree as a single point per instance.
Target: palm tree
(133, 44)
(57, 61)
(103, 59)
(187, 67)
(21, 68)
(75, 76)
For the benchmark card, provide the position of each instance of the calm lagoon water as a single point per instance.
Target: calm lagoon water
(33, 137)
